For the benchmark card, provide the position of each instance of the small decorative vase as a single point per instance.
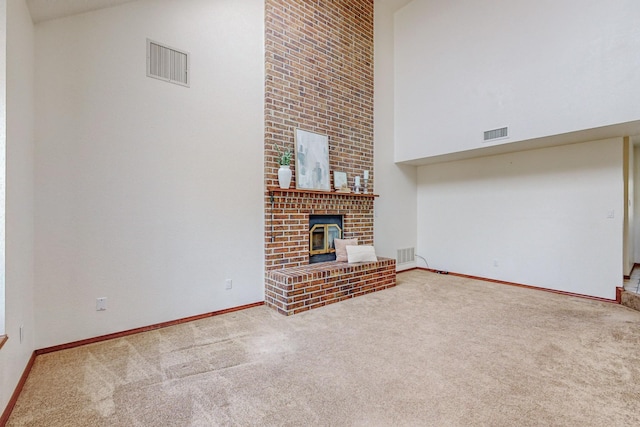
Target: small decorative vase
(284, 176)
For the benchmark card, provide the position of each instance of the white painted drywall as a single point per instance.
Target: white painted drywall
(395, 209)
(636, 202)
(541, 215)
(628, 226)
(3, 146)
(147, 193)
(19, 197)
(632, 248)
(541, 68)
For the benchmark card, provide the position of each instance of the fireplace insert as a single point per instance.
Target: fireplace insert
(323, 229)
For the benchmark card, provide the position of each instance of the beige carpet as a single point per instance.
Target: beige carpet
(435, 350)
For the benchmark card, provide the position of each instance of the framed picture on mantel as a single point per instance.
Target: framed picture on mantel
(312, 161)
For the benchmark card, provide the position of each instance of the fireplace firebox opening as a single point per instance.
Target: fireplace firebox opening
(323, 230)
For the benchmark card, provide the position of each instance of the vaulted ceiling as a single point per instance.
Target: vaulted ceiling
(43, 10)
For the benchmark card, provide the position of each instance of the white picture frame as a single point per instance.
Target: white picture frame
(339, 180)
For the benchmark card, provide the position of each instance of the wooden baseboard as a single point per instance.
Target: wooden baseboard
(631, 272)
(519, 285)
(3, 339)
(16, 393)
(143, 329)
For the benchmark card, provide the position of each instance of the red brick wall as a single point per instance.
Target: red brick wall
(287, 242)
(319, 77)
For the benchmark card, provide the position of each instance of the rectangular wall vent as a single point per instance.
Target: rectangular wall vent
(405, 255)
(168, 64)
(491, 135)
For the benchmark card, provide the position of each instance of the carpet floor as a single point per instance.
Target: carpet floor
(435, 350)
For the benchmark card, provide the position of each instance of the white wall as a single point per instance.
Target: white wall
(632, 248)
(636, 202)
(147, 193)
(540, 67)
(3, 149)
(395, 209)
(541, 215)
(629, 218)
(19, 198)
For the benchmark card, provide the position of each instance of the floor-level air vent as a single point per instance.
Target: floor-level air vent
(405, 255)
(168, 64)
(491, 135)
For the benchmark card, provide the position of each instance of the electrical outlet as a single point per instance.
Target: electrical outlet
(228, 284)
(21, 333)
(495, 262)
(101, 304)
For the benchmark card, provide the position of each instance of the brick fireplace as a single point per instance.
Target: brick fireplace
(318, 77)
(292, 285)
(287, 221)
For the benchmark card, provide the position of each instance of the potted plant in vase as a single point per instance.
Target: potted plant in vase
(284, 160)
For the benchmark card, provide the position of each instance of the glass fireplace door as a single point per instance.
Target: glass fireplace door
(321, 237)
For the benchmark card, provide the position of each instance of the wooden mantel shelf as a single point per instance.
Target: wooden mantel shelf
(274, 190)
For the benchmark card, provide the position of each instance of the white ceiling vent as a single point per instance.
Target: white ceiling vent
(492, 135)
(168, 64)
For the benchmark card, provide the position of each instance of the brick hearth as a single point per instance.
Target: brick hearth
(294, 290)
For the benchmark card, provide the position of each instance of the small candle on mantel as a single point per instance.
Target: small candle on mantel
(357, 180)
(366, 174)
